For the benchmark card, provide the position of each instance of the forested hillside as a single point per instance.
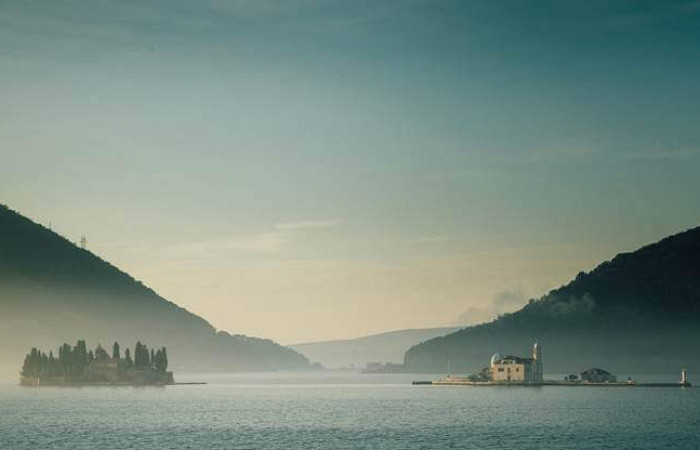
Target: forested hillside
(53, 292)
(639, 312)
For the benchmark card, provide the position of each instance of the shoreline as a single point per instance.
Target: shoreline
(110, 384)
(547, 383)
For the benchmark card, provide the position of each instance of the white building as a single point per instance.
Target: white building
(515, 369)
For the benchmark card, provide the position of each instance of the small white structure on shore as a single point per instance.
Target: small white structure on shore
(516, 369)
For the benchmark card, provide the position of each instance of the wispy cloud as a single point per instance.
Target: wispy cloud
(267, 242)
(305, 224)
(502, 302)
(432, 239)
(667, 154)
(261, 243)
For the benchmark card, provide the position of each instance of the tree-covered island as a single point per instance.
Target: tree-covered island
(79, 366)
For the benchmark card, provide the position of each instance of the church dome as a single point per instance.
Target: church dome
(496, 357)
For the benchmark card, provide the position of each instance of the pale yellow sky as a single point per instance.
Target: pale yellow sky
(295, 301)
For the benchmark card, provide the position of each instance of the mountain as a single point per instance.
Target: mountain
(638, 313)
(384, 347)
(53, 292)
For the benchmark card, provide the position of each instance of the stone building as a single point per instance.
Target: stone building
(515, 369)
(105, 370)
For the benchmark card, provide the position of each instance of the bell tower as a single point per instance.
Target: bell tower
(537, 375)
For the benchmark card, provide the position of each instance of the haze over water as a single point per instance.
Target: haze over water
(346, 411)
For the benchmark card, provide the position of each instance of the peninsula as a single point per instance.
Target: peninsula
(78, 366)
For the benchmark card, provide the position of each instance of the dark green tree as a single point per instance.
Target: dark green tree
(138, 354)
(81, 351)
(31, 366)
(115, 351)
(54, 368)
(141, 355)
(37, 364)
(65, 359)
(78, 359)
(165, 359)
(160, 360)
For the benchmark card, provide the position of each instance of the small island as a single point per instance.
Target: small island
(517, 371)
(76, 366)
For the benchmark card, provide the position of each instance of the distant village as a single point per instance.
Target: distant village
(79, 366)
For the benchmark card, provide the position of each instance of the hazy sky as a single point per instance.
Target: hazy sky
(316, 169)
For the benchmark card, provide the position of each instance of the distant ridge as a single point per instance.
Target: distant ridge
(638, 313)
(53, 292)
(382, 347)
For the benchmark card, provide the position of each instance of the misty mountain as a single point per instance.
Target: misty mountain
(53, 292)
(638, 313)
(383, 347)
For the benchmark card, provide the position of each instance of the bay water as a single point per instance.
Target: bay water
(341, 410)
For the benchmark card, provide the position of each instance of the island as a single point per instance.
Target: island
(78, 366)
(519, 371)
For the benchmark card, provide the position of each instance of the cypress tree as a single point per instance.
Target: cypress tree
(115, 351)
(64, 359)
(165, 359)
(81, 351)
(159, 361)
(54, 368)
(27, 370)
(43, 364)
(145, 356)
(79, 358)
(141, 356)
(138, 354)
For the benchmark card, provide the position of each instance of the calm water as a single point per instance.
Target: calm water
(346, 411)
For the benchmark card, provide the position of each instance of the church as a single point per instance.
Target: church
(516, 369)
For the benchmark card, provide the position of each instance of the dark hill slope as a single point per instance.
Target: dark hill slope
(639, 312)
(52, 291)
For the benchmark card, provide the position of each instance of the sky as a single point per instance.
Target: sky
(323, 169)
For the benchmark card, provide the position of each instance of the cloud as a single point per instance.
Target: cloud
(306, 224)
(473, 316)
(431, 239)
(508, 301)
(268, 242)
(501, 303)
(263, 243)
(664, 154)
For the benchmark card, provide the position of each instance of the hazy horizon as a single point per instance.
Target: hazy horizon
(323, 170)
